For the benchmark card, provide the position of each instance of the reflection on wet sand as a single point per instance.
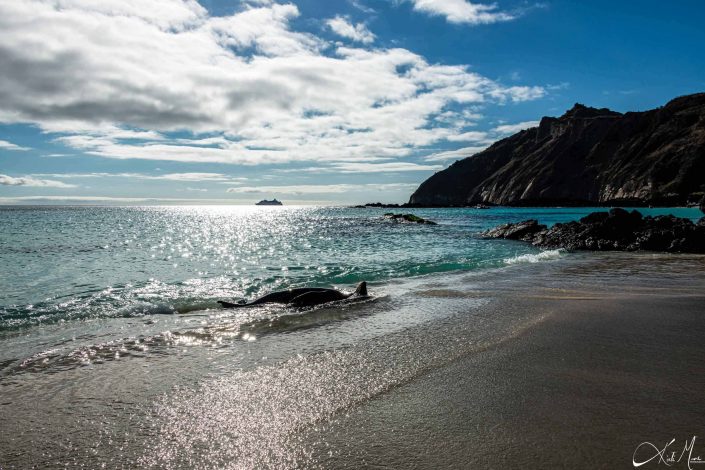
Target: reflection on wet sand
(440, 370)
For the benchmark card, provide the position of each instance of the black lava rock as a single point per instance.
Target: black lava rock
(617, 229)
(521, 231)
(411, 218)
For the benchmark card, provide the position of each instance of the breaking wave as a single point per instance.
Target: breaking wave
(547, 255)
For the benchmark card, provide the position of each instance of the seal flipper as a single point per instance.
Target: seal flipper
(361, 289)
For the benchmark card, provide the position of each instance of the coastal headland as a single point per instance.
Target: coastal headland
(586, 157)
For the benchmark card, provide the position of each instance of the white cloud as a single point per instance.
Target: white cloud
(189, 177)
(259, 2)
(454, 154)
(514, 128)
(5, 145)
(361, 6)
(382, 167)
(357, 32)
(485, 138)
(472, 136)
(114, 79)
(558, 86)
(362, 167)
(6, 180)
(113, 200)
(320, 188)
(517, 94)
(462, 11)
(80, 199)
(205, 177)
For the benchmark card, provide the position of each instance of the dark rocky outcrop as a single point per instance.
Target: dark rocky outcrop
(613, 230)
(408, 218)
(525, 230)
(383, 205)
(587, 156)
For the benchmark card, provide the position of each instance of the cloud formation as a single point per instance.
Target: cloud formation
(514, 128)
(6, 180)
(5, 145)
(126, 80)
(357, 32)
(387, 167)
(462, 11)
(455, 154)
(320, 188)
(482, 140)
(183, 177)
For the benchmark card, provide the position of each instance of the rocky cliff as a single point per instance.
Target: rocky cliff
(588, 156)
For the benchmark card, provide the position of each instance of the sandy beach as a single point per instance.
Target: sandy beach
(604, 372)
(568, 363)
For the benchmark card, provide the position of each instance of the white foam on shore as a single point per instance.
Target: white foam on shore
(547, 255)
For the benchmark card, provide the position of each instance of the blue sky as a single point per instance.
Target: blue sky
(309, 101)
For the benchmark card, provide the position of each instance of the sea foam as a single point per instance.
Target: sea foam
(535, 257)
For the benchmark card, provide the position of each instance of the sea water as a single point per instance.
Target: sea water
(72, 263)
(113, 349)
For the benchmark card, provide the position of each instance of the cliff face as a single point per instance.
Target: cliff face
(587, 156)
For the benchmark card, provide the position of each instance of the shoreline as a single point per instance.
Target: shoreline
(631, 204)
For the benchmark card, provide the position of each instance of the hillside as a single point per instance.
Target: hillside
(588, 156)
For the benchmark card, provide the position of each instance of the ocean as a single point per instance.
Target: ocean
(114, 350)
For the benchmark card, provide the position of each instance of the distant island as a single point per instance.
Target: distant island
(273, 202)
(587, 157)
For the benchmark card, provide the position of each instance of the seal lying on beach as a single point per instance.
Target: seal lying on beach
(302, 297)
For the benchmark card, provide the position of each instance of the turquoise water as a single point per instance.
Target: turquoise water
(70, 263)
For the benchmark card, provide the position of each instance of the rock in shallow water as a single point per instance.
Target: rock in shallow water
(525, 230)
(617, 229)
(408, 218)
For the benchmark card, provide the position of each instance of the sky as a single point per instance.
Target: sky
(308, 101)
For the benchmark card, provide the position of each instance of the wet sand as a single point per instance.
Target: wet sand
(581, 389)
